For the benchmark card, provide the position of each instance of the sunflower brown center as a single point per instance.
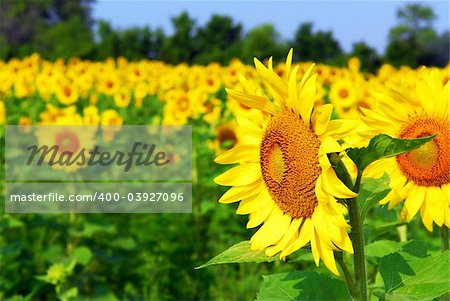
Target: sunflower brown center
(343, 93)
(428, 165)
(290, 164)
(226, 135)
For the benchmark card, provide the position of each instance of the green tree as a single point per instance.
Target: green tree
(43, 26)
(412, 42)
(262, 42)
(368, 56)
(219, 40)
(319, 46)
(180, 46)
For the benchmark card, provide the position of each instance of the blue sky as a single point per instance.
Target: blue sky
(350, 21)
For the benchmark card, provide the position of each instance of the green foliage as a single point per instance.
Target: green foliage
(64, 29)
(302, 286)
(414, 41)
(414, 278)
(218, 41)
(51, 27)
(370, 61)
(382, 248)
(262, 42)
(237, 254)
(383, 146)
(318, 46)
(372, 191)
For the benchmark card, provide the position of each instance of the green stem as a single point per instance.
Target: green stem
(358, 243)
(357, 235)
(348, 277)
(444, 238)
(444, 247)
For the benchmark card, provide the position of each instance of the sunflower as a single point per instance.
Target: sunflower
(2, 112)
(70, 140)
(67, 93)
(420, 178)
(343, 94)
(284, 179)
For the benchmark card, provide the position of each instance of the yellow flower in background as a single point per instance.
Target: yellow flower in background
(354, 64)
(111, 123)
(420, 178)
(122, 98)
(228, 135)
(284, 179)
(70, 141)
(212, 110)
(181, 105)
(343, 94)
(91, 116)
(67, 93)
(110, 117)
(2, 112)
(109, 85)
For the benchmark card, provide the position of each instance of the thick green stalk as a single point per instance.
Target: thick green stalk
(444, 247)
(356, 234)
(347, 276)
(444, 238)
(357, 237)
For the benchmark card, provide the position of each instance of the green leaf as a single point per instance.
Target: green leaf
(8, 222)
(372, 191)
(302, 286)
(382, 248)
(414, 278)
(301, 255)
(124, 243)
(69, 294)
(239, 253)
(82, 255)
(383, 146)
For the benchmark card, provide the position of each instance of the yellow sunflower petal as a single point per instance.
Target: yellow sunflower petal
(271, 231)
(237, 193)
(327, 256)
(240, 175)
(253, 101)
(324, 227)
(321, 117)
(252, 203)
(435, 198)
(240, 153)
(292, 100)
(307, 96)
(288, 63)
(258, 217)
(290, 235)
(272, 79)
(304, 237)
(414, 201)
(340, 128)
(332, 185)
(427, 220)
(314, 249)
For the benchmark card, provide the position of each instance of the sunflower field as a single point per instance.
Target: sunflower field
(310, 182)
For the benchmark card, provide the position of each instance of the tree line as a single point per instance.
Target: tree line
(66, 28)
